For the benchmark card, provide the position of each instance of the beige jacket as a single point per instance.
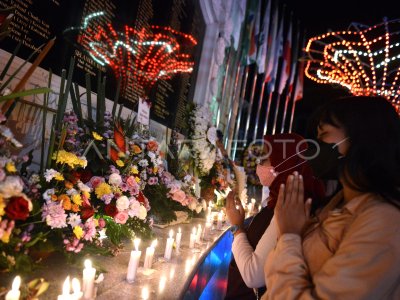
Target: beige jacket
(350, 253)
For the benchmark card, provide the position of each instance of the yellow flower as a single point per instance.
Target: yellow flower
(10, 167)
(155, 170)
(59, 177)
(134, 170)
(77, 199)
(119, 163)
(78, 231)
(137, 179)
(2, 206)
(86, 194)
(65, 157)
(96, 222)
(121, 154)
(97, 136)
(6, 237)
(102, 189)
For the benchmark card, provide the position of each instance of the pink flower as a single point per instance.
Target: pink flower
(121, 217)
(131, 181)
(102, 223)
(179, 196)
(152, 181)
(95, 181)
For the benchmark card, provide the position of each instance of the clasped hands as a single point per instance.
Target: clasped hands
(291, 212)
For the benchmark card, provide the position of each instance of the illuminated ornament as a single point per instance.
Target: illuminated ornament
(139, 57)
(365, 60)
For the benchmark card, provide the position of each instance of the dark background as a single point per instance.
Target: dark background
(320, 16)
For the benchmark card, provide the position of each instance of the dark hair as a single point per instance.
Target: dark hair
(372, 163)
(220, 135)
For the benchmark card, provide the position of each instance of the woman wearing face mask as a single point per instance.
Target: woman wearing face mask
(352, 249)
(251, 245)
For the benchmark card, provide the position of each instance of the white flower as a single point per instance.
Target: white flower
(74, 220)
(142, 212)
(115, 179)
(83, 187)
(47, 194)
(143, 163)
(49, 174)
(84, 161)
(72, 192)
(151, 155)
(35, 178)
(122, 203)
(11, 186)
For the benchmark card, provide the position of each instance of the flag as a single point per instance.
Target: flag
(255, 32)
(249, 45)
(276, 51)
(263, 37)
(298, 94)
(295, 58)
(238, 15)
(286, 64)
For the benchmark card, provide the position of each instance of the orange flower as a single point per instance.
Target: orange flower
(75, 208)
(68, 185)
(67, 204)
(136, 149)
(152, 146)
(54, 197)
(63, 197)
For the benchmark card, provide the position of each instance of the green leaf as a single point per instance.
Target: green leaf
(42, 90)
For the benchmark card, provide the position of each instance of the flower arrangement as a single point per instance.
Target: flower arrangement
(203, 137)
(250, 156)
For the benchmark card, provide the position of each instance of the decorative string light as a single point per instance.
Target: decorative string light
(138, 56)
(366, 61)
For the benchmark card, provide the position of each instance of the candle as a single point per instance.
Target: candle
(133, 262)
(219, 223)
(198, 234)
(169, 245)
(162, 282)
(14, 293)
(65, 290)
(148, 260)
(145, 293)
(259, 208)
(207, 230)
(178, 239)
(192, 238)
(76, 287)
(88, 280)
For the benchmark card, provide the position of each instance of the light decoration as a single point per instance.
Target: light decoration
(365, 60)
(140, 57)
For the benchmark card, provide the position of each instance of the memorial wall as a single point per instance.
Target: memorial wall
(37, 21)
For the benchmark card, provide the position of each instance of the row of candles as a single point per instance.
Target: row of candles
(87, 292)
(89, 272)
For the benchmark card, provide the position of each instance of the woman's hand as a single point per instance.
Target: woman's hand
(235, 216)
(291, 212)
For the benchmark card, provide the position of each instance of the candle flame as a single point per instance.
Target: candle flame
(16, 283)
(136, 243)
(66, 286)
(154, 243)
(179, 230)
(88, 264)
(145, 293)
(194, 230)
(76, 285)
(163, 280)
(171, 234)
(253, 200)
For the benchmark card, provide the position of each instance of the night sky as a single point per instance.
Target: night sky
(320, 16)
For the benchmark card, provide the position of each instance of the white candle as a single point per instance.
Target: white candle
(207, 230)
(14, 293)
(133, 262)
(76, 287)
(148, 260)
(178, 239)
(145, 293)
(219, 222)
(192, 238)
(88, 280)
(198, 234)
(169, 245)
(65, 290)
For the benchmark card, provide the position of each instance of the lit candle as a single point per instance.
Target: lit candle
(259, 208)
(14, 293)
(145, 293)
(148, 260)
(219, 222)
(207, 230)
(162, 282)
(198, 234)
(65, 290)
(192, 238)
(178, 239)
(88, 280)
(76, 287)
(133, 262)
(169, 245)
